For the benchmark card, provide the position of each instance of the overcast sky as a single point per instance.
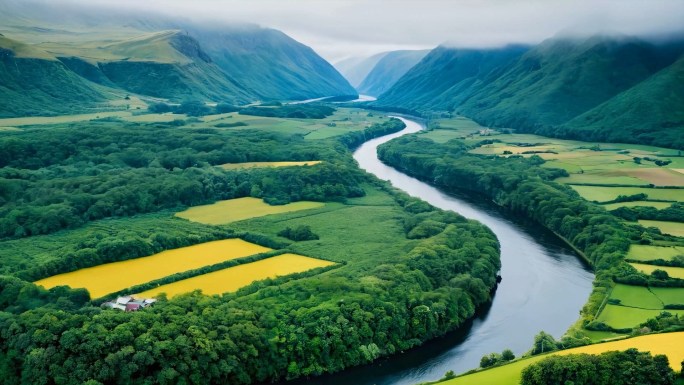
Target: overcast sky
(337, 29)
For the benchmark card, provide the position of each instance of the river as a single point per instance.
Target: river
(544, 287)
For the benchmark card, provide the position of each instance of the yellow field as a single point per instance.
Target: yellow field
(234, 210)
(675, 272)
(112, 277)
(669, 344)
(234, 166)
(672, 228)
(233, 278)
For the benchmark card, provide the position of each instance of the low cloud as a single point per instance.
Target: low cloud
(342, 28)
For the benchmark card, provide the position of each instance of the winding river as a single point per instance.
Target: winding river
(544, 287)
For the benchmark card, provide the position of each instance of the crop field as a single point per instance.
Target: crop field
(237, 166)
(669, 295)
(601, 178)
(233, 278)
(669, 344)
(234, 210)
(649, 253)
(672, 228)
(675, 272)
(621, 317)
(636, 296)
(657, 205)
(338, 226)
(638, 304)
(605, 194)
(112, 277)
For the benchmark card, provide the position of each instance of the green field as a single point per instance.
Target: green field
(638, 303)
(621, 317)
(672, 228)
(669, 295)
(234, 210)
(649, 253)
(674, 272)
(605, 194)
(657, 205)
(669, 344)
(636, 296)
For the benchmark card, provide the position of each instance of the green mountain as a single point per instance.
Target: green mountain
(446, 76)
(33, 82)
(601, 87)
(650, 112)
(388, 70)
(561, 79)
(356, 69)
(271, 64)
(151, 56)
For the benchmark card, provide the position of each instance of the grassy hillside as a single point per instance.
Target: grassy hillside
(34, 83)
(650, 112)
(163, 57)
(388, 70)
(563, 78)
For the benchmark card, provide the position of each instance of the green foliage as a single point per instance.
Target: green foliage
(63, 178)
(354, 139)
(32, 86)
(299, 233)
(543, 343)
(294, 111)
(611, 368)
(388, 293)
(193, 108)
(522, 186)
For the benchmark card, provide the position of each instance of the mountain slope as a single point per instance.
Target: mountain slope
(650, 112)
(446, 74)
(32, 82)
(563, 78)
(271, 64)
(388, 70)
(357, 68)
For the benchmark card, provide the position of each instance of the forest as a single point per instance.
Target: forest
(520, 185)
(100, 191)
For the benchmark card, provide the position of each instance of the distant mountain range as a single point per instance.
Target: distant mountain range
(50, 69)
(355, 69)
(388, 70)
(613, 88)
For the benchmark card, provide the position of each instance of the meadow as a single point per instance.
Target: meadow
(674, 272)
(668, 344)
(672, 228)
(630, 305)
(233, 278)
(606, 194)
(233, 210)
(650, 252)
(113, 277)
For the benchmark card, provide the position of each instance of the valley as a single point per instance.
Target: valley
(204, 194)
